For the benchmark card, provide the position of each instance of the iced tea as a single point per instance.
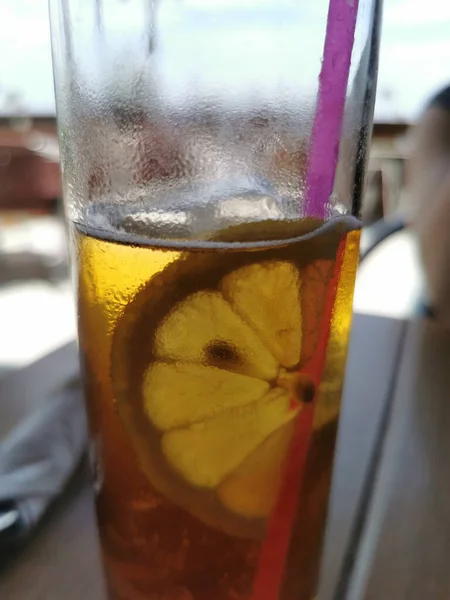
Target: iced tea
(213, 376)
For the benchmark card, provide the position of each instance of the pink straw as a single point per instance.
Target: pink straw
(320, 178)
(333, 79)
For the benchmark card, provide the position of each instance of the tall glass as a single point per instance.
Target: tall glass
(213, 154)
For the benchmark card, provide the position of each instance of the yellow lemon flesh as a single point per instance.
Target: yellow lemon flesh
(207, 452)
(276, 318)
(203, 321)
(224, 390)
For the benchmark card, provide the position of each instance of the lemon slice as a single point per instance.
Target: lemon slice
(209, 364)
(220, 386)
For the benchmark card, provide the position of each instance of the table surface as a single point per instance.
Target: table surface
(388, 534)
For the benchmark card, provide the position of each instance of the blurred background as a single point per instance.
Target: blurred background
(34, 280)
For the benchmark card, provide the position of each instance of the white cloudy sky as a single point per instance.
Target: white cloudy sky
(415, 56)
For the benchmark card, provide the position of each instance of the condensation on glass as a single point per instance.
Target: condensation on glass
(182, 114)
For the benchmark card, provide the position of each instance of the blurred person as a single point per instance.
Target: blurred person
(426, 200)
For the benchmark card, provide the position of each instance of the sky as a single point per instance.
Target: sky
(414, 59)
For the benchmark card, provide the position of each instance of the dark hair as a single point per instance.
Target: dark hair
(441, 99)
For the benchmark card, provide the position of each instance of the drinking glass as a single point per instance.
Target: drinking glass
(213, 157)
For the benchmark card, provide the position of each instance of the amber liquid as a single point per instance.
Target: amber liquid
(163, 537)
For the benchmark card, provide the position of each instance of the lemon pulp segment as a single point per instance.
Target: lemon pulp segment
(275, 313)
(179, 394)
(204, 453)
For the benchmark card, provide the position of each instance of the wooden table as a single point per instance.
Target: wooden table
(388, 536)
